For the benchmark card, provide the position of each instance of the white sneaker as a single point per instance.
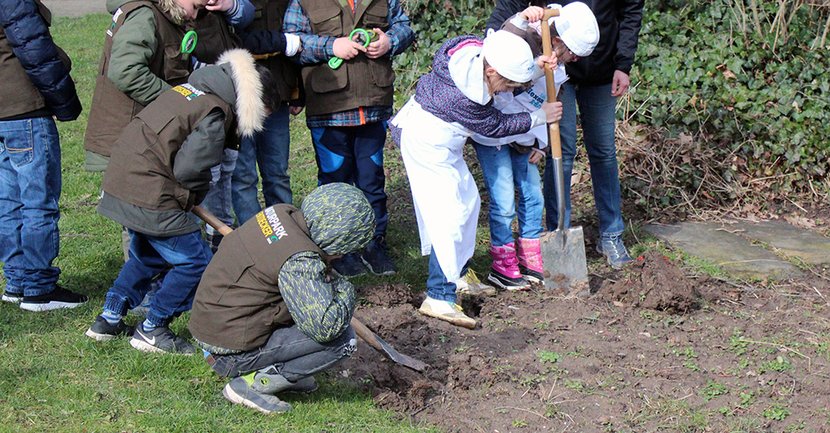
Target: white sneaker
(446, 311)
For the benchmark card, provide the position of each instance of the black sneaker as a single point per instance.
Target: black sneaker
(160, 340)
(349, 265)
(506, 282)
(13, 298)
(101, 330)
(376, 258)
(214, 240)
(56, 299)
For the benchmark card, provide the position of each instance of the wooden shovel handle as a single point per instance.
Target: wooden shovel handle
(211, 220)
(547, 50)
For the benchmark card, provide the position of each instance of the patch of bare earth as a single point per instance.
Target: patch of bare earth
(655, 349)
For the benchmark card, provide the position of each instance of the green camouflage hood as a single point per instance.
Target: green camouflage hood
(339, 218)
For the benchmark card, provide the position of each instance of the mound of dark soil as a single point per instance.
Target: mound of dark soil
(655, 283)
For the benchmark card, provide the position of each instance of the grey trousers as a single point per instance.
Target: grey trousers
(290, 352)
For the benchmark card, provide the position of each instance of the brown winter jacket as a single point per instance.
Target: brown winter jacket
(238, 303)
(160, 165)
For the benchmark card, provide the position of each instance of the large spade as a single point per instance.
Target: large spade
(359, 328)
(563, 249)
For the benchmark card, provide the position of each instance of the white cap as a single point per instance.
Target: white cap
(577, 27)
(509, 55)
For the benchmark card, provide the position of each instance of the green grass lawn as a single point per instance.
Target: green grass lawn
(53, 378)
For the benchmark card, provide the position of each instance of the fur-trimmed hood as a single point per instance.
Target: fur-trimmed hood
(235, 79)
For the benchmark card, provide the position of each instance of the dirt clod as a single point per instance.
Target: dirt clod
(652, 281)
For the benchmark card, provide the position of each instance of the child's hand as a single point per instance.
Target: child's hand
(219, 5)
(536, 156)
(551, 62)
(533, 14)
(379, 47)
(346, 48)
(553, 111)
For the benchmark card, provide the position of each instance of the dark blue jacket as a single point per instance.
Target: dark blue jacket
(46, 65)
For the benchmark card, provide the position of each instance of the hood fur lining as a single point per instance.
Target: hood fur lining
(250, 110)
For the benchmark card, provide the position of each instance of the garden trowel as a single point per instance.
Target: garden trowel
(359, 328)
(563, 250)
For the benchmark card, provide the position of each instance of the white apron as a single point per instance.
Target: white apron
(443, 189)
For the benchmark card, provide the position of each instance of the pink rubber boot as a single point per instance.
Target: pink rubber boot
(505, 271)
(530, 260)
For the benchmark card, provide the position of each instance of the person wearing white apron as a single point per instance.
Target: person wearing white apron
(452, 102)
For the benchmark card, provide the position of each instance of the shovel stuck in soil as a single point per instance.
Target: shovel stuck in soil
(563, 250)
(359, 328)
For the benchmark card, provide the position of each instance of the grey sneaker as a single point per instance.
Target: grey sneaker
(614, 251)
(273, 382)
(240, 391)
(160, 340)
(101, 330)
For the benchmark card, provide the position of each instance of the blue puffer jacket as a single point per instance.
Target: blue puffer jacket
(46, 65)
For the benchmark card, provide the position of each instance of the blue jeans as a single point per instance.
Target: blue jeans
(30, 186)
(186, 255)
(598, 118)
(354, 155)
(269, 150)
(218, 198)
(292, 353)
(437, 285)
(506, 171)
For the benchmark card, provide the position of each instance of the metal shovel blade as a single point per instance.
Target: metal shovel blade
(563, 252)
(563, 249)
(384, 348)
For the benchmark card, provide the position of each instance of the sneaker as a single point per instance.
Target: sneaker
(14, 298)
(239, 391)
(469, 284)
(56, 299)
(350, 265)
(143, 308)
(101, 330)
(376, 258)
(160, 340)
(614, 251)
(272, 382)
(213, 240)
(446, 311)
(507, 283)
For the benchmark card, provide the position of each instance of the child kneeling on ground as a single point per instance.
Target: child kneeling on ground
(509, 163)
(451, 103)
(159, 169)
(269, 312)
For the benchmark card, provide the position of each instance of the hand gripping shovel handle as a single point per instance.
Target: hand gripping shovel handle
(359, 328)
(554, 141)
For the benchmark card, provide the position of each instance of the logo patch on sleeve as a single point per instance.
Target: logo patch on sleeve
(270, 225)
(189, 92)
